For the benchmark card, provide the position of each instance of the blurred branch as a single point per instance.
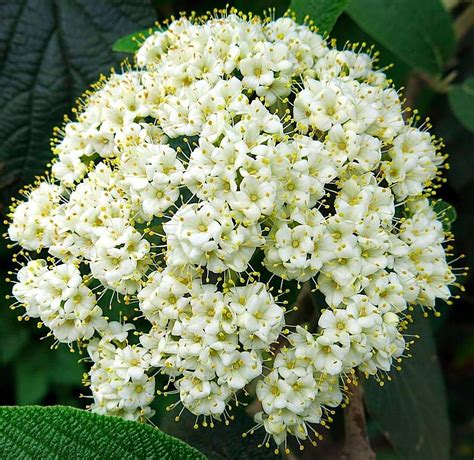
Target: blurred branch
(413, 87)
(417, 80)
(357, 446)
(464, 22)
(450, 4)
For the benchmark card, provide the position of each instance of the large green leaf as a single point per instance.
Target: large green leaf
(347, 30)
(419, 32)
(461, 100)
(411, 410)
(50, 52)
(255, 6)
(324, 13)
(63, 432)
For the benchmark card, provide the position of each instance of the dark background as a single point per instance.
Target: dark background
(51, 50)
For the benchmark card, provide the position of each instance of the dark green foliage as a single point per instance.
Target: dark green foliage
(324, 13)
(461, 99)
(222, 442)
(418, 32)
(50, 52)
(131, 43)
(446, 213)
(411, 410)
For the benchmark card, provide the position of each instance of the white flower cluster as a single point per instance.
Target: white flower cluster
(214, 339)
(60, 298)
(237, 155)
(118, 379)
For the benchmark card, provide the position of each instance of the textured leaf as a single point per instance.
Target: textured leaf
(131, 43)
(324, 13)
(461, 100)
(221, 442)
(50, 51)
(411, 410)
(419, 32)
(63, 432)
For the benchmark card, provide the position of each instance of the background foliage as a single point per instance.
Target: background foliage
(52, 50)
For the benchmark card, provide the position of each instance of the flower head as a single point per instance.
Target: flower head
(236, 155)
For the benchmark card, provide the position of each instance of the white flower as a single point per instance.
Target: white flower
(194, 232)
(338, 322)
(240, 368)
(321, 105)
(256, 312)
(256, 72)
(254, 199)
(33, 222)
(131, 362)
(273, 392)
(329, 352)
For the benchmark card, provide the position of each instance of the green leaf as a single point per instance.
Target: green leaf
(419, 32)
(50, 52)
(131, 43)
(324, 13)
(222, 442)
(258, 6)
(63, 432)
(347, 30)
(446, 213)
(411, 410)
(461, 100)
